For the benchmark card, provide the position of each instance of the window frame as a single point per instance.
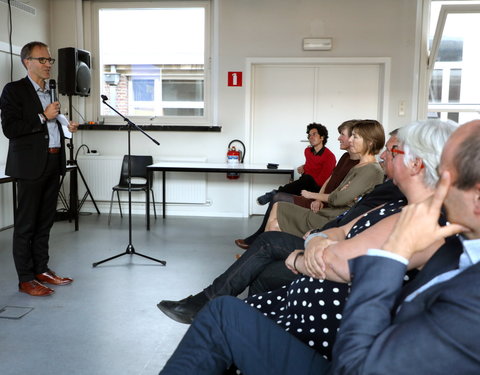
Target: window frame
(461, 7)
(168, 121)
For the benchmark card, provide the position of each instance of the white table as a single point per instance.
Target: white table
(6, 179)
(165, 167)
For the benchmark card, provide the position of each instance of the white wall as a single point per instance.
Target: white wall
(257, 28)
(26, 27)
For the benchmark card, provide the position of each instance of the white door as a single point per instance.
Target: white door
(285, 98)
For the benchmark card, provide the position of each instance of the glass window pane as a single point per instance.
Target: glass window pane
(436, 87)
(454, 116)
(182, 90)
(450, 49)
(143, 90)
(158, 58)
(455, 85)
(454, 81)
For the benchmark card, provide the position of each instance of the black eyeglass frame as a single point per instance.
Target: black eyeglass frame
(42, 60)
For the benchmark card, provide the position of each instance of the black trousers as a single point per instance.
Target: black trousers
(34, 217)
(305, 182)
(269, 247)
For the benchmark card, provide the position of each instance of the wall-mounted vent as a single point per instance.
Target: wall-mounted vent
(21, 6)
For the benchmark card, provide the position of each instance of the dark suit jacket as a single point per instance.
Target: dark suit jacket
(435, 333)
(28, 137)
(382, 193)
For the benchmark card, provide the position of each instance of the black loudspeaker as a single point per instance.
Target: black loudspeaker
(74, 75)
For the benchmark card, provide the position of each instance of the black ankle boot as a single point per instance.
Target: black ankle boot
(266, 198)
(184, 311)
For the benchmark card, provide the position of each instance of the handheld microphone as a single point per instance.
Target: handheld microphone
(104, 98)
(53, 90)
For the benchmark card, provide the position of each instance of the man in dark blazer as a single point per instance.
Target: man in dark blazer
(36, 159)
(428, 327)
(434, 329)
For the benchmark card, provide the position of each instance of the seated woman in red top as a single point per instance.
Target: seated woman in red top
(319, 164)
(348, 160)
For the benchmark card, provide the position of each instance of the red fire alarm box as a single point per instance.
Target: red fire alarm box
(235, 79)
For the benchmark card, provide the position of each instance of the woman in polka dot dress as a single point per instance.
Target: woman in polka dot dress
(311, 309)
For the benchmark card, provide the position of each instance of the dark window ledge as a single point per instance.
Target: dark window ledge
(167, 128)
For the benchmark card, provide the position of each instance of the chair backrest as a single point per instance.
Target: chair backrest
(139, 168)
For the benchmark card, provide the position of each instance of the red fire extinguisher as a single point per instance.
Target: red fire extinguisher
(234, 156)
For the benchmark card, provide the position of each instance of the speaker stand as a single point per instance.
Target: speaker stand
(73, 161)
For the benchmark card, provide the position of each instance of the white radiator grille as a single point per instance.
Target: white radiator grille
(103, 172)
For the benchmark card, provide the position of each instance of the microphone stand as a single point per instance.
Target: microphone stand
(130, 250)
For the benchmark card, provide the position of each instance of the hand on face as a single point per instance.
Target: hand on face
(417, 227)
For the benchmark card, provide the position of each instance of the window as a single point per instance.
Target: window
(153, 61)
(454, 60)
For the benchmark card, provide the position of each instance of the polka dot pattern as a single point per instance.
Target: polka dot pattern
(309, 308)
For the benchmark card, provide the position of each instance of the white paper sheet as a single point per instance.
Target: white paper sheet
(64, 122)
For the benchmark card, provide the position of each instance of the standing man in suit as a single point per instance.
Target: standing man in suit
(36, 158)
(428, 327)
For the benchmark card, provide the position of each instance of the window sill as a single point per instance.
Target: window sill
(168, 128)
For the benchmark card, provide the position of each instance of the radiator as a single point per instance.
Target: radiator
(101, 173)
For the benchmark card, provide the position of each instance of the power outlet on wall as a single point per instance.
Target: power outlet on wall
(401, 108)
(93, 153)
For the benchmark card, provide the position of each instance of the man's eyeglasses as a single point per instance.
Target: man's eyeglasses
(43, 60)
(394, 150)
(311, 135)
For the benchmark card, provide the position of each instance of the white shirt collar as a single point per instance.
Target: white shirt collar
(471, 252)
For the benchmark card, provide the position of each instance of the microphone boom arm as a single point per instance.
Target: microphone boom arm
(129, 123)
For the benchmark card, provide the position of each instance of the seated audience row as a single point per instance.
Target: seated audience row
(439, 319)
(269, 248)
(276, 274)
(346, 162)
(427, 140)
(367, 139)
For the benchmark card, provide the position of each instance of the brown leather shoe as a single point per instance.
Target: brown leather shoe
(34, 288)
(242, 244)
(50, 277)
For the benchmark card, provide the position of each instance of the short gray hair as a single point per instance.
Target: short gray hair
(28, 48)
(425, 140)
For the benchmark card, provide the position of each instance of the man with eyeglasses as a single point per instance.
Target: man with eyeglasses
(36, 159)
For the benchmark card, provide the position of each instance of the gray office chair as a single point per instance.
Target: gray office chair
(139, 170)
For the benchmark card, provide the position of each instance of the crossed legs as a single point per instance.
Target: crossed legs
(227, 332)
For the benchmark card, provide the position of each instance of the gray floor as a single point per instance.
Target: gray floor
(107, 321)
